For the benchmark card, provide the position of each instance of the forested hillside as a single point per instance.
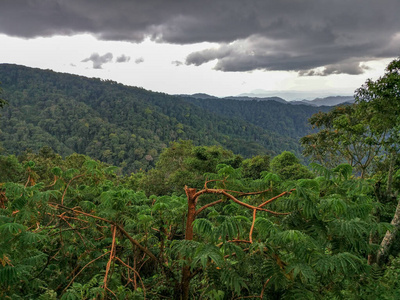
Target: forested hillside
(288, 120)
(129, 126)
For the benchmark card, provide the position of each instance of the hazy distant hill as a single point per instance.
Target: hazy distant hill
(328, 101)
(129, 126)
(245, 98)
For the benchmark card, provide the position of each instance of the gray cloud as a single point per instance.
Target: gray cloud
(352, 68)
(123, 58)
(177, 63)
(98, 60)
(300, 35)
(139, 60)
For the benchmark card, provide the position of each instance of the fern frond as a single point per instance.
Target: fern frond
(10, 229)
(303, 271)
(35, 260)
(29, 238)
(344, 170)
(203, 227)
(264, 227)
(206, 253)
(231, 279)
(8, 275)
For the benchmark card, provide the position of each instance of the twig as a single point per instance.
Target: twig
(75, 229)
(252, 226)
(234, 199)
(29, 178)
(276, 197)
(66, 188)
(92, 261)
(53, 183)
(129, 267)
(114, 229)
(207, 206)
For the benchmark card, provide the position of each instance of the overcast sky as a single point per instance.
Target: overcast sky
(219, 47)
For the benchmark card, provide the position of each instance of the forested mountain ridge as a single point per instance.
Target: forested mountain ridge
(286, 119)
(129, 126)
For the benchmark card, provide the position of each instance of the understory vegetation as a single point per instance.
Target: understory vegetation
(205, 223)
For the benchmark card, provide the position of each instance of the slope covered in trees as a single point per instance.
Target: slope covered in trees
(129, 126)
(289, 120)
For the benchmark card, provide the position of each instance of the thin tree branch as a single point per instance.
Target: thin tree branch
(89, 263)
(114, 229)
(129, 267)
(53, 183)
(234, 199)
(207, 206)
(276, 197)
(66, 188)
(252, 226)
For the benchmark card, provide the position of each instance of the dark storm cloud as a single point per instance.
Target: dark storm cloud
(98, 60)
(123, 58)
(297, 35)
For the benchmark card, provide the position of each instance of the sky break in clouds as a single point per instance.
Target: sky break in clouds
(313, 38)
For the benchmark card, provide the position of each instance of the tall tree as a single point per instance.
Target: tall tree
(381, 100)
(345, 136)
(362, 133)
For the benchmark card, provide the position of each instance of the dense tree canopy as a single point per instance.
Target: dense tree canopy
(78, 231)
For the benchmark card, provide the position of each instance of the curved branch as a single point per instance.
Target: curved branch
(207, 206)
(234, 199)
(276, 197)
(90, 262)
(241, 194)
(66, 188)
(53, 183)
(114, 228)
(136, 272)
(252, 226)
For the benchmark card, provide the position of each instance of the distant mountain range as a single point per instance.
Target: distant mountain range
(296, 95)
(327, 101)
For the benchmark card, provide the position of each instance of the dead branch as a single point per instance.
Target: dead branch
(89, 263)
(114, 229)
(252, 226)
(207, 206)
(129, 267)
(276, 197)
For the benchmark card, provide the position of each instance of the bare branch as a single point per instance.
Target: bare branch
(89, 263)
(208, 205)
(66, 188)
(114, 229)
(129, 267)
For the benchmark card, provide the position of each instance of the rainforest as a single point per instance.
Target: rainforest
(114, 192)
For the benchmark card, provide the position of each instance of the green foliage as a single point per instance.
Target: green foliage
(253, 167)
(185, 164)
(320, 248)
(75, 228)
(288, 167)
